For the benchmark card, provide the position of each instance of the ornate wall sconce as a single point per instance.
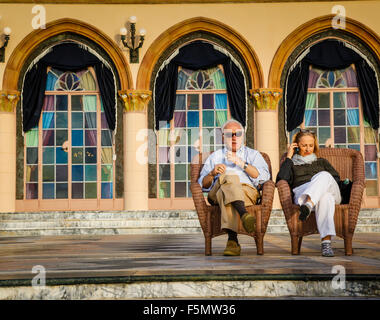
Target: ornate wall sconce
(131, 42)
(7, 32)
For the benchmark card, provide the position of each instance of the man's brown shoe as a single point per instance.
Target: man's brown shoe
(249, 222)
(232, 248)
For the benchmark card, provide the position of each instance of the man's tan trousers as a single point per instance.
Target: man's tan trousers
(226, 190)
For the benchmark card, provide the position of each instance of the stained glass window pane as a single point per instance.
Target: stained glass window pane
(107, 173)
(323, 100)
(31, 173)
(179, 119)
(324, 134)
(48, 155)
(180, 171)
(370, 153)
(164, 190)
(193, 101)
(106, 155)
(89, 102)
(77, 155)
(31, 138)
(61, 103)
(61, 137)
(61, 121)
(192, 119)
(90, 173)
(61, 173)
(90, 155)
(340, 135)
(50, 81)
(180, 103)
(31, 191)
(32, 155)
(180, 189)
(77, 190)
(207, 101)
(77, 103)
(353, 135)
(310, 118)
(48, 173)
(220, 101)
(77, 172)
(369, 135)
(208, 118)
(77, 138)
(353, 117)
(352, 99)
(48, 190)
(339, 99)
(87, 81)
(90, 190)
(339, 117)
(60, 155)
(48, 137)
(371, 170)
(324, 117)
(77, 120)
(164, 173)
(107, 190)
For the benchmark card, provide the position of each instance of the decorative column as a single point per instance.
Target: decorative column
(135, 159)
(266, 127)
(8, 102)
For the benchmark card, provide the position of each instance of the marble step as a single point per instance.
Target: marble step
(135, 222)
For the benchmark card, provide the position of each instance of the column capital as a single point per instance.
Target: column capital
(266, 98)
(8, 100)
(135, 100)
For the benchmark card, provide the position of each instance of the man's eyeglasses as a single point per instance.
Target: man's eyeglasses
(231, 134)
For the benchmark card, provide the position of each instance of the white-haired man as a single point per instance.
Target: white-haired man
(231, 175)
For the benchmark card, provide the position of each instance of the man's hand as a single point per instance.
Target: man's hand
(218, 169)
(232, 157)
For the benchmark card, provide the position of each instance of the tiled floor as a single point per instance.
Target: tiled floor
(74, 257)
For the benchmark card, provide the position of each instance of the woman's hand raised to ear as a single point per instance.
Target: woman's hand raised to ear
(291, 149)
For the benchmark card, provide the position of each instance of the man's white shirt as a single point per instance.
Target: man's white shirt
(251, 156)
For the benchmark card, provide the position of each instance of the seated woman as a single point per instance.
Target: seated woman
(314, 183)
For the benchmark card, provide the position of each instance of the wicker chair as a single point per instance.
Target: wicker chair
(210, 216)
(349, 164)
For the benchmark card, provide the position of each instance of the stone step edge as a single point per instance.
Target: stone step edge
(148, 228)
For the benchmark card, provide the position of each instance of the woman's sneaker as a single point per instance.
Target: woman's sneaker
(327, 250)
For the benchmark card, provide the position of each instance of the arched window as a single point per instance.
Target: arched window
(334, 112)
(69, 155)
(201, 109)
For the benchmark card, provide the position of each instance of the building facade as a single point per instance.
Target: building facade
(82, 126)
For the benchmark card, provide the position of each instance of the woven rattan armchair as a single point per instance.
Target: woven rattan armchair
(210, 216)
(349, 164)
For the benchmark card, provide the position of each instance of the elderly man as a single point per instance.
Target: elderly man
(231, 176)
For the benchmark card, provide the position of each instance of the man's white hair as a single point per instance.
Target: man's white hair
(231, 121)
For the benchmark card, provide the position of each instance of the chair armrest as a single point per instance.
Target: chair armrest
(200, 204)
(356, 197)
(286, 199)
(268, 194)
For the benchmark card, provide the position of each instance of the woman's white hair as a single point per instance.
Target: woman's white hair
(232, 121)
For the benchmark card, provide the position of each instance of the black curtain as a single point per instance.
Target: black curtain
(65, 57)
(331, 55)
(199, 55)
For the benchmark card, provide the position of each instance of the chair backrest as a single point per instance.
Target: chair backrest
(348, 162)
(198, 161)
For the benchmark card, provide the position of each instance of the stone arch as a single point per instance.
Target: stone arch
(309, 30)
(27, 46)
(199, 24)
